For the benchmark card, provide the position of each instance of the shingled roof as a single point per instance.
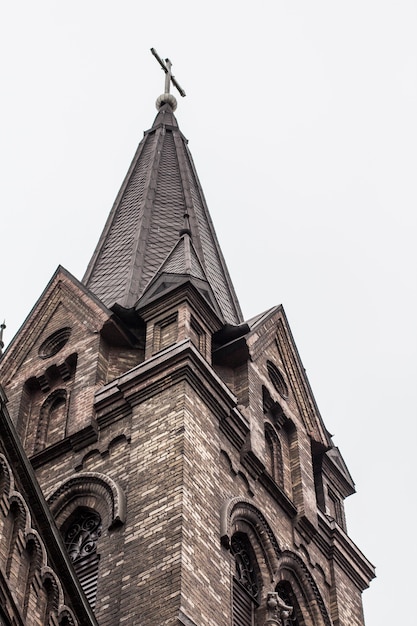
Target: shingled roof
(161, 193)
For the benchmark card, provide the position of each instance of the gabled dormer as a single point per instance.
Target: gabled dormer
(68, 347)
(289, 448)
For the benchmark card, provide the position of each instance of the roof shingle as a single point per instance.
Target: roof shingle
(144, 225)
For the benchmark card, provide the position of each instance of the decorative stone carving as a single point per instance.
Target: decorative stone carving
(244, 568)
(82, 536)
(278, 613)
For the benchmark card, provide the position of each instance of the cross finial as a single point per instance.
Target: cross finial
(169, 78)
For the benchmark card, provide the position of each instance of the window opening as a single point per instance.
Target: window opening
(277, 379)
(81, 539)
(165, 332)
(198, 336)
(336, 509)
(245, 582)
(52, 420)
(275, 463)
(54, 343)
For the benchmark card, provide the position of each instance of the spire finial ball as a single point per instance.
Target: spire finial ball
(166, 98)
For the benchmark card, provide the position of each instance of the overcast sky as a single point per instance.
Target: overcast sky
(301, 118)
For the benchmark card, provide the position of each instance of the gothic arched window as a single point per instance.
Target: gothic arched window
(245, 581)
(81, 535)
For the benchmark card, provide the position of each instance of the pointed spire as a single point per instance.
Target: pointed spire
(160, 197)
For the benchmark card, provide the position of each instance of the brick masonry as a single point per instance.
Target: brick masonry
(183, 438)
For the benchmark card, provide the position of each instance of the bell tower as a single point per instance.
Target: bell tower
(179, 448)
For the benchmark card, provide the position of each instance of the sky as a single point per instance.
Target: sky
(301, 119)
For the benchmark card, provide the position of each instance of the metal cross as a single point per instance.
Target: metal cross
(166, 66)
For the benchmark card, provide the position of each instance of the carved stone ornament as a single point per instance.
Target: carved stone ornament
(277, 612)
(81, 537)
(244, 569)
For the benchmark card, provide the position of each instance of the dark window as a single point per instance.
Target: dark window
(336, 509)
(274, 459)
(54, 343)
(81, 536)
(277, 379)
(52, 420)
(245, 582)
(198, 336)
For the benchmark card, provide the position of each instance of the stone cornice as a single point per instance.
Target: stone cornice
(79, 440)
(335, 543)
(181, 361)
(278, 494)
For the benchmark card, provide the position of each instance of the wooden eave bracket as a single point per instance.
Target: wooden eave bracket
(118, 330)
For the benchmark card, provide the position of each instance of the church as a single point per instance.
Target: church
(162, 459)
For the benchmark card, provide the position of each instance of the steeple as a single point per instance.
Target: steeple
(146, 224)
(182, 447)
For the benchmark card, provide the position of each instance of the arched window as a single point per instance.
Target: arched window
(48, 599)
(245, 581)
(52, 420)
(277, 379)
(81, 533)
(275, 465)
(280, 443)
(27, 571)
(14, 522)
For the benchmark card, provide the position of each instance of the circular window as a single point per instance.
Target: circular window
(54, 343)
(277, 379)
